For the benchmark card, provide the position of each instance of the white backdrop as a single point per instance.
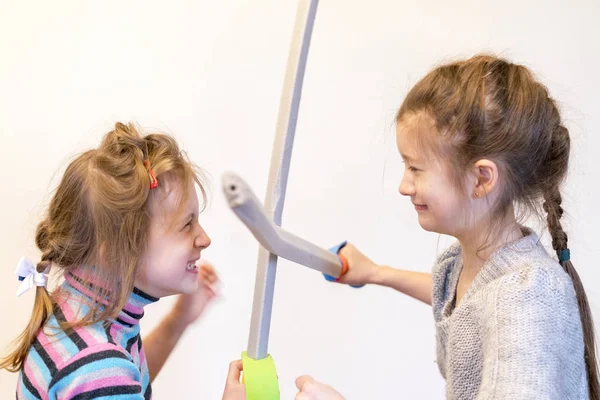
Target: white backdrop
(211, 73)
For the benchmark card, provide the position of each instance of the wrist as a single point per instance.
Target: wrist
(376, 277)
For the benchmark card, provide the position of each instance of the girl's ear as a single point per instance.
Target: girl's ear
(486, 178)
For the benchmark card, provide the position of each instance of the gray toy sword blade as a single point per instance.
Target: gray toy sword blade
(260, 323)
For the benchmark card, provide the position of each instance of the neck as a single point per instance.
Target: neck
(478, 244)
(83, 282)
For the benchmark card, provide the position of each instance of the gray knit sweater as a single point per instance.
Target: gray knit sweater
(516, 333)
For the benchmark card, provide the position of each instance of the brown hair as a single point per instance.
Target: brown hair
(98, 222)
(487, 107)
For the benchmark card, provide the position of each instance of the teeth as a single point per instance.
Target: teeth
(191, 266)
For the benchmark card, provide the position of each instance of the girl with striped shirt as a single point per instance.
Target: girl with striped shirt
(122, 230)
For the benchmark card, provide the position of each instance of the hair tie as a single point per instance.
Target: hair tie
(153, 180)
(564, 255)
(29, 277)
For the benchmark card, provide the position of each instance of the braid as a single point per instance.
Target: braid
(552, 206)
(46, 260)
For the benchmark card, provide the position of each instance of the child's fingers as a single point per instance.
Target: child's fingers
(205, 284)
(235, 371)
(211, 278)
(210, 293)
(208, 289)
(208, 280)
(208, 272)
(206, 269)
(205, 263)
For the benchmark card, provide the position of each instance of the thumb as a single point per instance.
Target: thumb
(302, 381)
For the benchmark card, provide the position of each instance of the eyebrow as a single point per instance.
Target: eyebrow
(189, 216)
(407, 158)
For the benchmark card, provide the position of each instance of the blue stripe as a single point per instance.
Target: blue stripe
(130, 335)
(28, 395)
(63, 339)
(145, 381)
(38, 364)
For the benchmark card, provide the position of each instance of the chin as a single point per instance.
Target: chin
(426, 225)
(188, 289)
(184, 289)
(433, 224)
(432, 228)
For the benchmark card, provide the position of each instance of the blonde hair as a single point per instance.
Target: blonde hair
(98, 220)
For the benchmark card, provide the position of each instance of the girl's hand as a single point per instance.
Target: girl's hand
(189, 307)
(361, 270)
(234, 390)
(310, 389)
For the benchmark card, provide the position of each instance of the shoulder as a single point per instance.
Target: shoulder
(524, 269)
(536, 292)
(543, 276)
(56, 343)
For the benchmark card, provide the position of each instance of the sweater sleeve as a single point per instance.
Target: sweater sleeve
(101, 371)
(529, 336)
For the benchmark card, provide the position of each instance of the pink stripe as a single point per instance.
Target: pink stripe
(113, 380)
(91, 350)
(114, 332)
(31, 376)
(85, 276)
(117, 327)
(132, 308)
(81, 288)
(127, 319)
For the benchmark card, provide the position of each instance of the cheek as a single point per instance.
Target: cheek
(439, 195)
(160, 255)
(425, 188)
(455, 206)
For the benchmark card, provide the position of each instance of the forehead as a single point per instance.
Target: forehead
(173, 199)
(415, 134)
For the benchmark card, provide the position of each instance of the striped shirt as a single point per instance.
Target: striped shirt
(104, 360)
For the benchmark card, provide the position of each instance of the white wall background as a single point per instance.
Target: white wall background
(211, 73)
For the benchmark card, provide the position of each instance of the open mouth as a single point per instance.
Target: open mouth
(191, 266)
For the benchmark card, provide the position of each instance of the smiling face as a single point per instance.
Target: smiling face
(175, 241)
(428, 181)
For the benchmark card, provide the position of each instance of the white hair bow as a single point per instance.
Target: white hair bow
(29, 276)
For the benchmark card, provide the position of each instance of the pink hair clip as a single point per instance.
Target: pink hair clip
(153, 180)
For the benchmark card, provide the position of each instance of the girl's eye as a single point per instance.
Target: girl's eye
(410, 168)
